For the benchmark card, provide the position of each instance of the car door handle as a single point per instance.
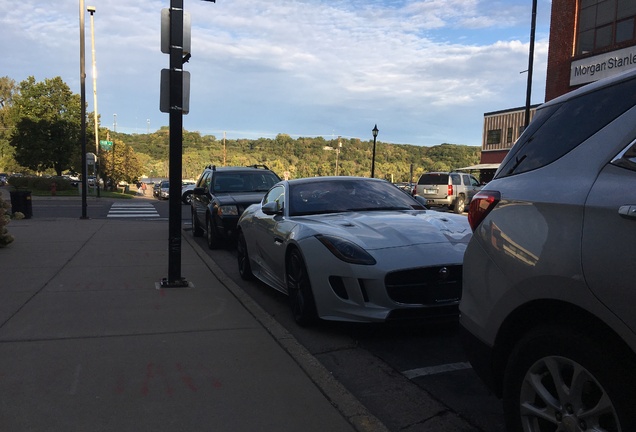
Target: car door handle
(628, 211)
(278, 241)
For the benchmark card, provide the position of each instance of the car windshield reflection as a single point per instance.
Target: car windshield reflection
(347, 195)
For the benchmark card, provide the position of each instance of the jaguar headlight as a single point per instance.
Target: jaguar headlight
(346, 251)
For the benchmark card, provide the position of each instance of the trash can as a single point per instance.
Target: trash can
(21, 202)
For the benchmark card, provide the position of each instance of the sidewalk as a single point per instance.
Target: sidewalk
(90, 342)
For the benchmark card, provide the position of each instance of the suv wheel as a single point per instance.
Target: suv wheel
(460, 204)
(196, 229)
(211, 237)
(563, 379)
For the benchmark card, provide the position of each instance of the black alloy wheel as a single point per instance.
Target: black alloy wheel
(301, 297)
(245, 269)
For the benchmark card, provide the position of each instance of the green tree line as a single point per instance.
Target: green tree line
(300, 157)
(40, 133)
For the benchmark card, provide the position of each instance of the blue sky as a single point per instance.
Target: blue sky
(424, 70)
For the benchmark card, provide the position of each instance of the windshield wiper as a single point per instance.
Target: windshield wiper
(516, 165)
(379, 208)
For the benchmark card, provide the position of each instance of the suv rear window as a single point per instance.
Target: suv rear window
(557, 129)
(433, 178)
(253, 181)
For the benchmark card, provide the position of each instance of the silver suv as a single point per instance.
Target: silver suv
(549, 283)
(451, 189)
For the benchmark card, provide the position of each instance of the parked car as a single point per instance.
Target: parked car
(354, 249)
(220, 197)
(548, 304)
(450, 189)
(4, 178)
(186, 192)
(164, 190)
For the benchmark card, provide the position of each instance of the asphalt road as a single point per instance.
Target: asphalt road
(414, 378)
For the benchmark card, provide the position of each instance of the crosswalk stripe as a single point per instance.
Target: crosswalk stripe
(129, 210)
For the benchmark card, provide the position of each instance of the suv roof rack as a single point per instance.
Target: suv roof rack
(261, 166)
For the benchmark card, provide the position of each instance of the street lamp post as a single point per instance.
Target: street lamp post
(375, 131)
(338, 153)
(91, 10)
(83, 107)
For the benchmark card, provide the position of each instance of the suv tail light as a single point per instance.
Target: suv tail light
(481, 204)
(450, 190)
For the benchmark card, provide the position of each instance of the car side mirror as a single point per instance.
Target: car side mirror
(272, 208)
(421, 200)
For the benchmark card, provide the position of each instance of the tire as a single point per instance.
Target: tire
(210, 234)
(301, 297)
(187, 198)
(196, 229)
(245, 269)
(460, 204)
(594, 388)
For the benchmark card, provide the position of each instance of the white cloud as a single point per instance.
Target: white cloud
(417, 68)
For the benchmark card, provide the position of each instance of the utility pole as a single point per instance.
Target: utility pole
(91, 10)
(338, 153)
(530, 63)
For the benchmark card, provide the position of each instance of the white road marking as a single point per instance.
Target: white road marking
(432, 370)
(128, 210)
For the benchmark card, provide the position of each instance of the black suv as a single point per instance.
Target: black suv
(222, 194)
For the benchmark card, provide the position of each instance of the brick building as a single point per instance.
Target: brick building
(589, 40)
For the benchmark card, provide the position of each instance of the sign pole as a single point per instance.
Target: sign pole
(175, 280)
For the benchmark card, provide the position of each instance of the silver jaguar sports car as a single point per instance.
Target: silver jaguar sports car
(354, 249)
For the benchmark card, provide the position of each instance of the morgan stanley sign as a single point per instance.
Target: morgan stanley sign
(602, 66)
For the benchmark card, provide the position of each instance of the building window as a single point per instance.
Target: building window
(494, 136)
(509, 135)
(603, 23)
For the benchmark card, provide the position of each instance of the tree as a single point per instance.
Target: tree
(120, 163)
(47, 125)
(8, 88)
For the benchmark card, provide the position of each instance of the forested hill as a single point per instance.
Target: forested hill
(301, 157)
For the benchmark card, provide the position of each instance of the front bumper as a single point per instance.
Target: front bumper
(360, 293)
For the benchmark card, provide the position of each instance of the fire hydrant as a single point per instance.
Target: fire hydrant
(53, 188)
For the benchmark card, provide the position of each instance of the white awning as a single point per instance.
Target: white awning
(480, 167)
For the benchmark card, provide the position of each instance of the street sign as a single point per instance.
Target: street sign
(164, 91)
(165, 31)
(105, 145)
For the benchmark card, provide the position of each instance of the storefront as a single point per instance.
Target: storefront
(589, 40)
